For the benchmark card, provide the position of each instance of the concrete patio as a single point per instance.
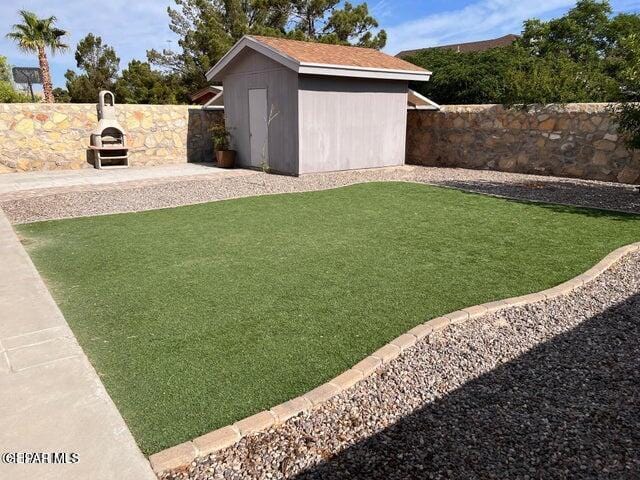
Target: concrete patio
(16, 182)
(51, 398)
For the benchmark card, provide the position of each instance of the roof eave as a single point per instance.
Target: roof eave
(363, 72)
(429, 108)
(426, 103)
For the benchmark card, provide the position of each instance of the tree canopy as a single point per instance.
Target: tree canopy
(587, 55)
(139, 83)
(99, 65)
(579, 57)
(208, 28)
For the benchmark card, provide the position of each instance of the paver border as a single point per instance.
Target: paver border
(181, 456)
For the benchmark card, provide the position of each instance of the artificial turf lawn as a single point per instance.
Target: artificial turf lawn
(199, 316)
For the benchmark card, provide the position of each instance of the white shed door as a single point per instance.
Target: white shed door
(258, 127)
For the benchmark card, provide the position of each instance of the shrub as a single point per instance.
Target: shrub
(220, 136)
(8, 94)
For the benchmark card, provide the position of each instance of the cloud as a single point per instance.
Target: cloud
(381, 9)
(477, 21)
(626, 6)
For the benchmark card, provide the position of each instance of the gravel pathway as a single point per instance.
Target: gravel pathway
(550, 390)
(87, 200)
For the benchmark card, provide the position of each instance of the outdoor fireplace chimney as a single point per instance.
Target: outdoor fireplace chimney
(108, 140)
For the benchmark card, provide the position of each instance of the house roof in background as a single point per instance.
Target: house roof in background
(215, 102)
(210, 90)
(206, 94)
(479, 46)
(324, 59)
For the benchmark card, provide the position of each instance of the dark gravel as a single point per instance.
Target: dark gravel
(36, 205)
(550, 390)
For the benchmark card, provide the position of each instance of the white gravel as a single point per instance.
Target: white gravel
(550, 390)
(36, 205)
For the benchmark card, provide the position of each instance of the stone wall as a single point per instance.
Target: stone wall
(576, 140)
(50, 137)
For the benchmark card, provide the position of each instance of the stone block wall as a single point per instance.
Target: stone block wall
(575, 140)
(56, 136)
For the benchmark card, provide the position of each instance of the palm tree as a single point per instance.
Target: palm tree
(36, 35)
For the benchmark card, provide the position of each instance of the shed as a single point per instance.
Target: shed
(301, 107)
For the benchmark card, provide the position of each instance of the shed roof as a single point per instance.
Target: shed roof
(324, 59)
(310, 52)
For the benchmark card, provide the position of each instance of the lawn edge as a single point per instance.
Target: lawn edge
(182, 455)
(435, 184)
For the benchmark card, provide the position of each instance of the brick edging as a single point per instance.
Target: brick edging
(184, 454)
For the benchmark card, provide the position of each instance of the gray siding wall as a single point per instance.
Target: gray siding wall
(350, 123)
(253, 70)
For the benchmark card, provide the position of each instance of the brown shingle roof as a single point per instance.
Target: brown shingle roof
(479, 46)
(309, 52)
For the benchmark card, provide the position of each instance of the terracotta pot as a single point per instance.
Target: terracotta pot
(226, 158)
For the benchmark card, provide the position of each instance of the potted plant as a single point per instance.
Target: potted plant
(225, 156)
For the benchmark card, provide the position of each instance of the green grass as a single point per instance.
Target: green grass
(199, 316)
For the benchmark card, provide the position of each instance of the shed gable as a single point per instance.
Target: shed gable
(250, 61)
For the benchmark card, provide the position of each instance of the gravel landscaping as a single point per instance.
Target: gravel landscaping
(549, 390)
(88, 200)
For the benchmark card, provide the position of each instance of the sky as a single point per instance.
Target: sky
(134, 26)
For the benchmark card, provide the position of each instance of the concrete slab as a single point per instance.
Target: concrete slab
(4, 363)
(51, 398)
(15, 182)
(63, 381)
(27, 312)
(44, 427)
(34, 338)
(42, 353)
